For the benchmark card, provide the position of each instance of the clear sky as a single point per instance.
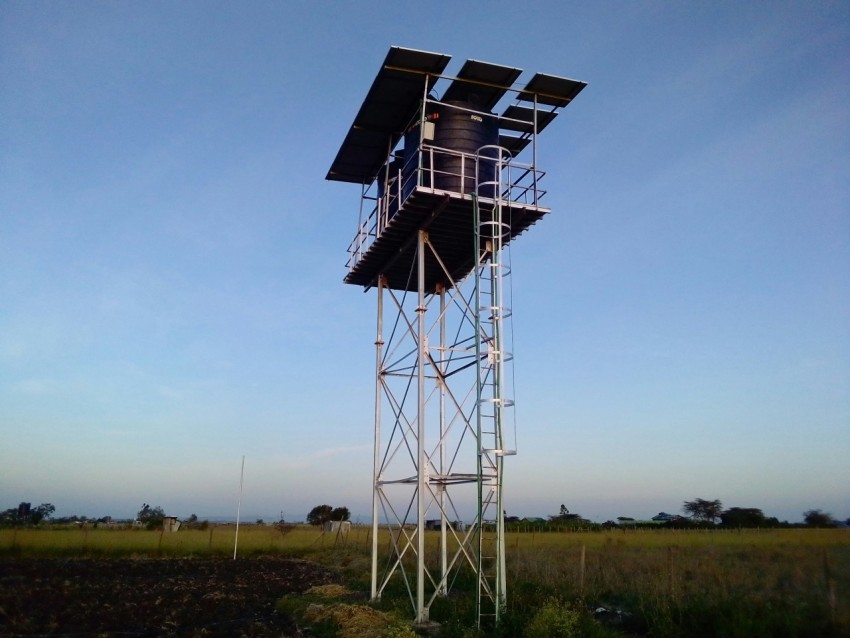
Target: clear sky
(171, 258)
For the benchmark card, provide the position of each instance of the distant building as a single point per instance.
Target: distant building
(662, 517)
(170, 524)
(338, 527)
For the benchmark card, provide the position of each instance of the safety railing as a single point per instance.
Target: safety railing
(426, 171)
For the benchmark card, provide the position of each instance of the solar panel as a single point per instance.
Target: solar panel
(514, 144)
(551, 90)
(525, 116)
(406, 75)
(389, 106)
(481, 83)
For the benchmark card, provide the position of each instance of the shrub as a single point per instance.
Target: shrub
(554, 620)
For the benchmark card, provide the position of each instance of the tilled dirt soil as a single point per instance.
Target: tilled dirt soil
(151, 597)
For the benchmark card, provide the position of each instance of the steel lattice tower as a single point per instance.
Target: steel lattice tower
(444, 190)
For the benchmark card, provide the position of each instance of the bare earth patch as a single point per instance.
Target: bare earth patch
(151, 597)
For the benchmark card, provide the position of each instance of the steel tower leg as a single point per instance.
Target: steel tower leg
(444, 572)
(438, 444)
(376, 475)
(422, 470)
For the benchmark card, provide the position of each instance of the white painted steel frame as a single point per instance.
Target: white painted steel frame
(440, 410)
(437, 364)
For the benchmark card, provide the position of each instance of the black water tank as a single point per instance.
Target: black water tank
(460, 127)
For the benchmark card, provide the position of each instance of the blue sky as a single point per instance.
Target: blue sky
(171, 258)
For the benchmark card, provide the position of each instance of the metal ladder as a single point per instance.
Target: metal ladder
(488, 576)
(491, 312)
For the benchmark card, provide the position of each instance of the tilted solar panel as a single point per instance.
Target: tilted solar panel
(389, 106)
(551, 90)
(481, 83)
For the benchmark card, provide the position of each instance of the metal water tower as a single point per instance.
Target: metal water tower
(446, 185)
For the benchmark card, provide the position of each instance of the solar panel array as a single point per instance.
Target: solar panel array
(408, 75)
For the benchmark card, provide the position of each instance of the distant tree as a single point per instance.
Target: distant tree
(320, 515)
(193, 523)
(41, 513)
(743, 517)
(563, 517)
(9, 518)
(340, 514)
(25, 514)
(150, 517)
(818, 518)
(700, 509)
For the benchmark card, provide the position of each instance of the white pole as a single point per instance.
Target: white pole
(239, 507)
(421, 610)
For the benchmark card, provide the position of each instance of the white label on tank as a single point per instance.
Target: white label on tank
(477, 118)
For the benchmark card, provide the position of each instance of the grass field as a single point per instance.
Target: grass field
(216, 540)
(785, 582)
(697, 583)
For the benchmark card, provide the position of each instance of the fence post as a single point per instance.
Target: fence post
(581, 571)
(670, 580)
(831, 598)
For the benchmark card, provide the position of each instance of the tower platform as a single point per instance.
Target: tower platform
(449, 220)
(396, 126)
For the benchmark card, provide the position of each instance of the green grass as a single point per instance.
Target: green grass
(748, 583)
(217, 540)
(788, 582)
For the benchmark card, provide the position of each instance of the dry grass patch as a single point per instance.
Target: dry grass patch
(358, 621)
(329, 591)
